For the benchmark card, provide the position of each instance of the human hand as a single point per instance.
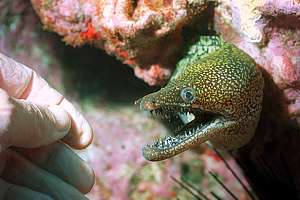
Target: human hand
(33, 117)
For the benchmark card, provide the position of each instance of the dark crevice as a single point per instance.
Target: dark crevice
(90, 73)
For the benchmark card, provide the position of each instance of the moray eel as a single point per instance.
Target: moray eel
(220, 97)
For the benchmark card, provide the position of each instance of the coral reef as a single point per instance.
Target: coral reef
(150, 36)
(143, 34)
(270, 34)
(120, 130)
(117, 162)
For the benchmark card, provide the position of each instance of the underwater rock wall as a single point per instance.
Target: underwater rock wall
(269, 31)
(146, 35)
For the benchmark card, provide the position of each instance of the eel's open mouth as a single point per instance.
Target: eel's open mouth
(189, 127)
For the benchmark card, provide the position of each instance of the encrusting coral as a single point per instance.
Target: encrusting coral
(270, 35)
(143, 34)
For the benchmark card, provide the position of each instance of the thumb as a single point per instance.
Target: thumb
(31, 125)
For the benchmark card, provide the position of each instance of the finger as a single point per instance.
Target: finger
(14, 192)
(61, 161)
(31, 125)
(81, 133)
(35, 89)
(15, 78)
(22, 82)
(21, 172)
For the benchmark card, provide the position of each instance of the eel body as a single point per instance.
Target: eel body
(216, 98)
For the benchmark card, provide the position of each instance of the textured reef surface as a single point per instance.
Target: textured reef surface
(151, 37)
(143, 34)
(269, 31)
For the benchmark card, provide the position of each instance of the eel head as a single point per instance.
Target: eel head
(216, 98)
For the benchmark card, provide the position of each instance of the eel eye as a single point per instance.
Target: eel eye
(188, 94)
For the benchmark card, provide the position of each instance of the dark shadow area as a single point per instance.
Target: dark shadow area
(91, 73)
(270, 161)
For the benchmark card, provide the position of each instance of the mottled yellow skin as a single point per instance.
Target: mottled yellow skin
(226, 82)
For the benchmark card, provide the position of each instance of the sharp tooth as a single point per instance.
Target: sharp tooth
(190, 116)
(186, 117)
(182, 137)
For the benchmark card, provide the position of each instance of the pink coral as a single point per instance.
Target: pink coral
(215, 164)
(134, 31)
(278, 50)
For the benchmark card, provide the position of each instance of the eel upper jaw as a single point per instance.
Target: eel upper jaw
(187, 124)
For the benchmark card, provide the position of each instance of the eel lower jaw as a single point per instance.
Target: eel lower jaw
(187, 135)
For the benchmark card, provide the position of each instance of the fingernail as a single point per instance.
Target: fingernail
(87, 136)
(89, 181)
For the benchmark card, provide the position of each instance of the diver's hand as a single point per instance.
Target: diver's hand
(32, 116)
(48, 172)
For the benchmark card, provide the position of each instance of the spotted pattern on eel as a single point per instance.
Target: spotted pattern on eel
(216, 98)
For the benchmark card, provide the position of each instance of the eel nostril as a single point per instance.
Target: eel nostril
(153, 101)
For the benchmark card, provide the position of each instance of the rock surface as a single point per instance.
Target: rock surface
(146, 35)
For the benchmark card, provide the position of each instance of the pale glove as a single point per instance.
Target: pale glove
(34, 164)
